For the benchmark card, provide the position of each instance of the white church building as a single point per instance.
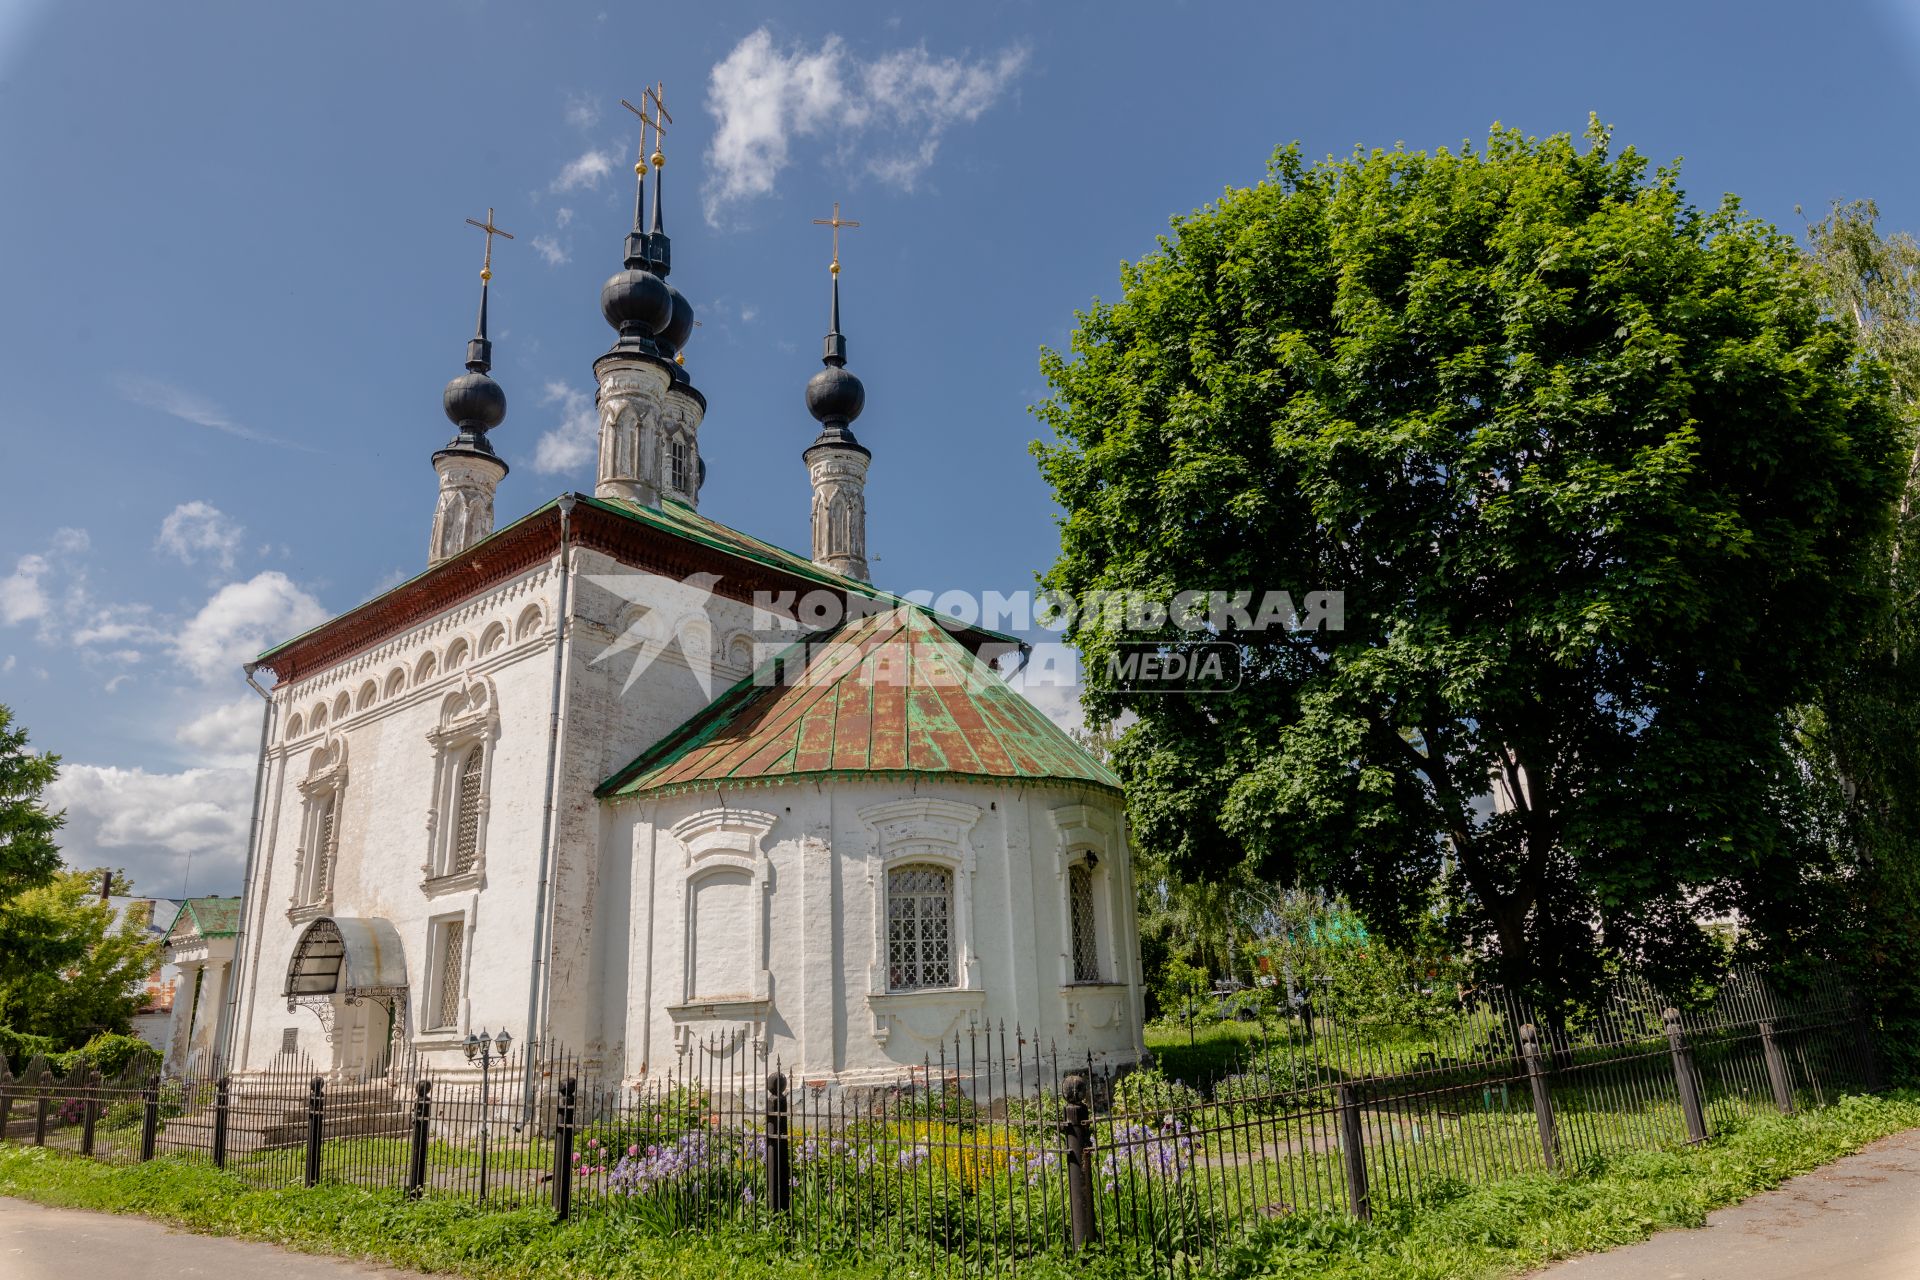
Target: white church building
(599, 778)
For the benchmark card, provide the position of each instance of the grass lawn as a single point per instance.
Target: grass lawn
(1451, 1232)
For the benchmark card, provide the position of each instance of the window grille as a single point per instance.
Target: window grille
(323, 847)
(452, 936)
(289, 1041)
(466, 835)
(919, 928)
(678, 462)
(1086, 948)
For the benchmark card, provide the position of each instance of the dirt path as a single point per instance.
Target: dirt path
(1855, 1219)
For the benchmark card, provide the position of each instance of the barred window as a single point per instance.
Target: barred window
(677, 456)
(447, 998)
(919, 927)
(320, 856)
(1086, 946)
(466, 835)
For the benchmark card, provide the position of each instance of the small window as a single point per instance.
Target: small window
(919, 927)
(678, 460)
(289, 1041)
(446, 998)
(320, 850)
(1086, 946)
(466, 835)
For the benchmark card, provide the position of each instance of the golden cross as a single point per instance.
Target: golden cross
(640, 164)
(836, 222)
(659, 95)
(486, 265)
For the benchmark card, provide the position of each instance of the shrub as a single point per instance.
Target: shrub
(1148, 1089)
(19, 1048)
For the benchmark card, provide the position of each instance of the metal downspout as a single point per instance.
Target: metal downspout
(230, 1004)
(563, 636)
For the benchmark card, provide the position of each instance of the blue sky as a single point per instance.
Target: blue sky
(236, 275)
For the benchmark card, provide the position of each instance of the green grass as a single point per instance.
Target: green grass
(1446, 1232)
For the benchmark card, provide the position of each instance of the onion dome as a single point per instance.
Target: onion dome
(834, 396)
(473, 401)
(636, 301)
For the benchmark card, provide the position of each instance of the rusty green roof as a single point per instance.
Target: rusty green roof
(892, 693)
(208, 917)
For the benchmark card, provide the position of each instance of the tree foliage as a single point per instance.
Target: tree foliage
(1601, 485)
(97, 986)
(1862, 737)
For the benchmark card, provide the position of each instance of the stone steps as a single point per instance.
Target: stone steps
(269, 1123)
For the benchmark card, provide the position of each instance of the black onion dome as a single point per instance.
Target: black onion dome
(475, 402)
(636, 299)
(835, 397)
(679, 326)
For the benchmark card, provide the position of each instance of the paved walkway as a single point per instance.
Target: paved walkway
(1855, 1219)
(60, 1244)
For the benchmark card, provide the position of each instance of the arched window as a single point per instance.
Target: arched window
(919, 927)
(466, 834)
(1086, 942)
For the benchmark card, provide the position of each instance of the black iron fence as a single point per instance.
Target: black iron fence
(996, 1148)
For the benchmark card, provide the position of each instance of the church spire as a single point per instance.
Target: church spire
(650, 413)
(469, 469)
(836, 460)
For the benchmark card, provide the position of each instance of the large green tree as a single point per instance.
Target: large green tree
(96, 984)
(1601, 486)
(1862, 737)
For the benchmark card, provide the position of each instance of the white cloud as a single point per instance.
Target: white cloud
(195, 529)
(562, 218)
(585, 171)
(122, 625)
(22, 597)
(242, 619)
(582, 112)
(152, 823)
(898, 106)
(151, 393)
(748, 314)
(576, 440)
(550, 249)
(23, 593)
(226, 734)
(8, 664)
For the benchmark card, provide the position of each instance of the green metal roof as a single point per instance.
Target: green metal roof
(209, 917)
(676, 519)
(892, 693)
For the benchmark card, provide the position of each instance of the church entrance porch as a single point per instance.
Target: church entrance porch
(352, 974)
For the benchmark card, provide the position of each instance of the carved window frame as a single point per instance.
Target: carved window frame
(935, 832)
(316, 858)
(719, 841)
(1090, 833)
(469, 722)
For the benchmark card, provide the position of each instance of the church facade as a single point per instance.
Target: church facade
(596, 778)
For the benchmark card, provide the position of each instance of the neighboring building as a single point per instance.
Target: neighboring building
(155, 1014)
(585, 780)
(198, 948)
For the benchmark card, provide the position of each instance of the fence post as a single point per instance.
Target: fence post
(41, 1107)
(1076, 1125)
(222, 1103)
(149, 1119)
(1776, 1068)
(316, 1114)
(1542, 1098)
(1869, 1054)
(417, 1153)
(1353, 1153)
(563, 1150)
(1684, 1078)
(779, 1153)
(89, 1110)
